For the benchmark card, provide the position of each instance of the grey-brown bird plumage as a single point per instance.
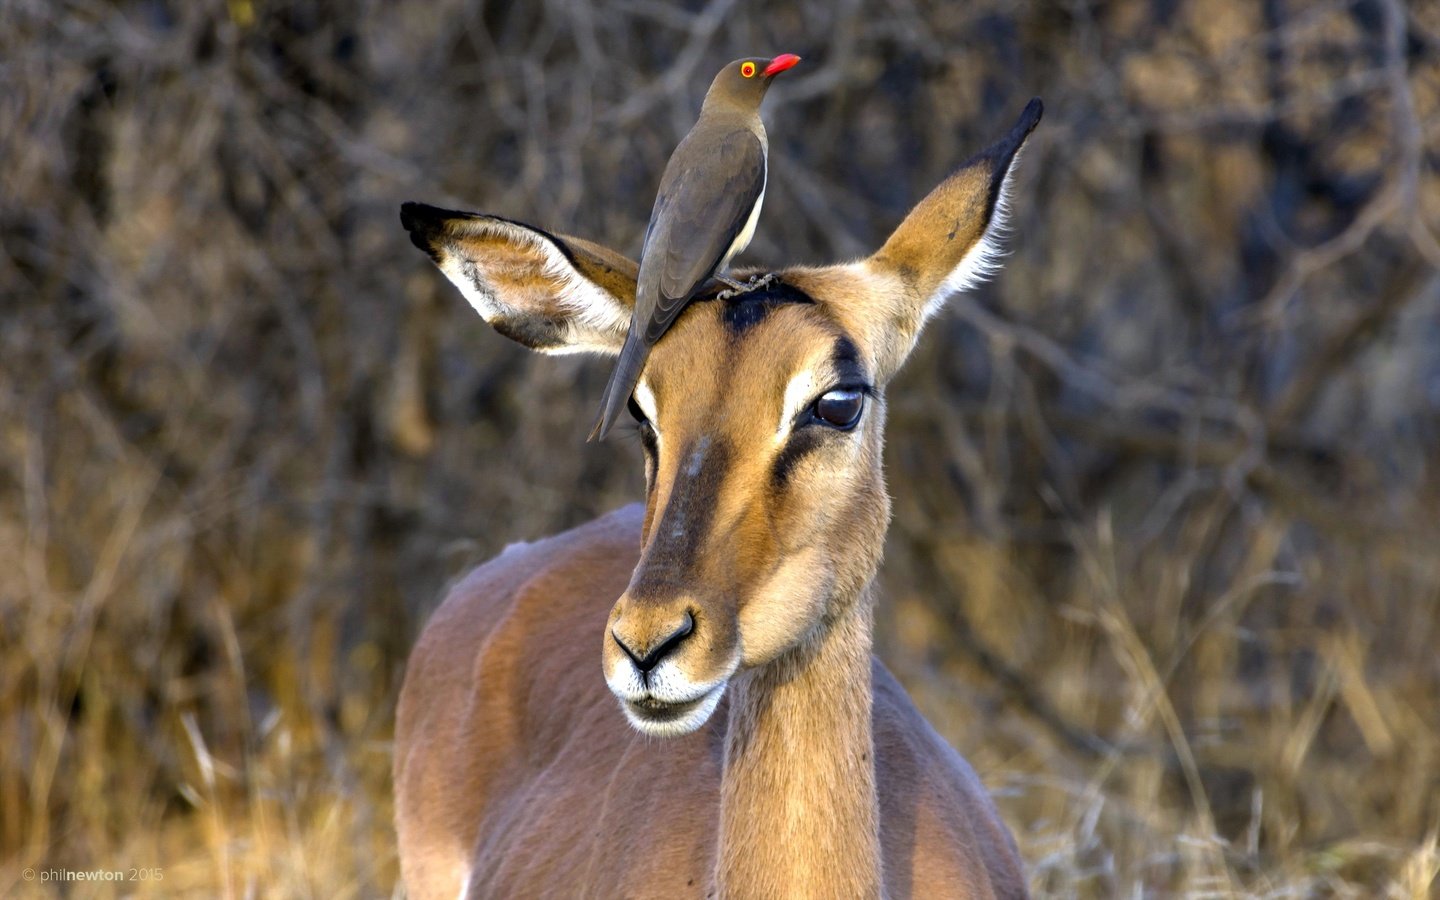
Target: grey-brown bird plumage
(705, 213)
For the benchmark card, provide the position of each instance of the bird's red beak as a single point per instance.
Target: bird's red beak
(780, 64)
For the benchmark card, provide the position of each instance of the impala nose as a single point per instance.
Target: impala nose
(647, 655)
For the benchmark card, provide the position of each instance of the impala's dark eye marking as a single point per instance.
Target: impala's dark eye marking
(801, 444)
(839, 408)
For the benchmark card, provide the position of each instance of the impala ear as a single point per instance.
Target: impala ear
(552, 293)
(950, 242)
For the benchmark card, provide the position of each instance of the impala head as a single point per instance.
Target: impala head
(761, 418)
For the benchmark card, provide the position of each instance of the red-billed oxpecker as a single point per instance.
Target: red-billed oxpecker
(704, 214)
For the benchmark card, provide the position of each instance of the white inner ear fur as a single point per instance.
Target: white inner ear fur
(596, 321)
(465, 275)
(596, 312)
(982, 261)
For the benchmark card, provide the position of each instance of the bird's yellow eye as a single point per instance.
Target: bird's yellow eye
(747, 69)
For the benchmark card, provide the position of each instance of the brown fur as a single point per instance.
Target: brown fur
(748, 571)
(512, 760)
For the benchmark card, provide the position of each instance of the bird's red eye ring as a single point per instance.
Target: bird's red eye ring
(747, 69)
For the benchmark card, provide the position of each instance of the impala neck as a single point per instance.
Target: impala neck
(798, 809)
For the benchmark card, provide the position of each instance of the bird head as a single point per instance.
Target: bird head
(745, 81)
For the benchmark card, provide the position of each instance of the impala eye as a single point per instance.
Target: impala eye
(647, 430)
(840, 408)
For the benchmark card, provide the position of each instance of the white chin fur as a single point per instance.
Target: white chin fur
(681, 725)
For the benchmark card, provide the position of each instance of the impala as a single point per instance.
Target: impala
(759, 749)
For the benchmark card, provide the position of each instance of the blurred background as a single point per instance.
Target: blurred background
(1165, 562)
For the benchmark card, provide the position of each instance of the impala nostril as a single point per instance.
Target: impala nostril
(620, 642)
(645, 660)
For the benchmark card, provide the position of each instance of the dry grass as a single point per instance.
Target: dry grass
(1164, 561)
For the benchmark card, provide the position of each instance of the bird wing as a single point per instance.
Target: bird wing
(706, 196)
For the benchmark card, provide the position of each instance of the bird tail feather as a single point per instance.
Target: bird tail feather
(622, 383)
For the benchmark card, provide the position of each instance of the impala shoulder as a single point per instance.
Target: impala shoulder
(955, 833)
(598, 553)
(905, 740)
(528, 582)
(606, 542)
